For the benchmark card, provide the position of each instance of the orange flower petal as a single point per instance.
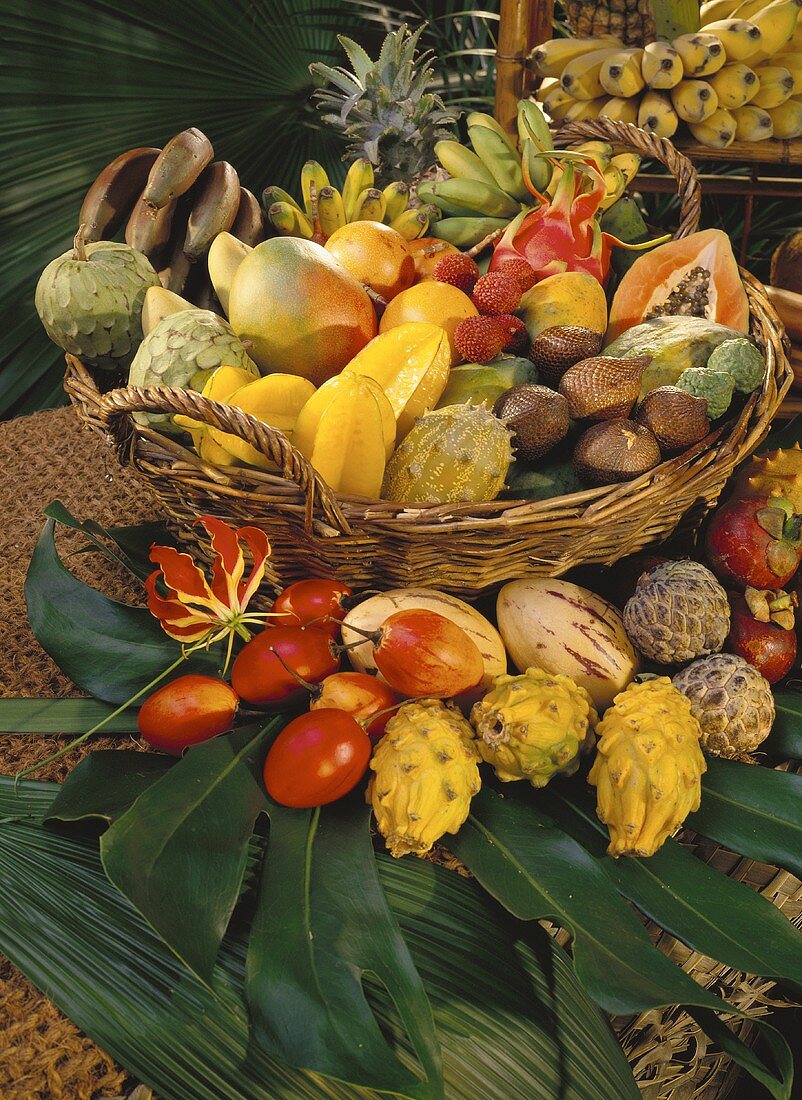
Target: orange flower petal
(229, 564)
(259, 546)
(183, 577)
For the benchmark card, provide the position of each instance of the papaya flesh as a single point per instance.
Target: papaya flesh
(694, 277)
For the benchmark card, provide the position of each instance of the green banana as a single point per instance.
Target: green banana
(314, 175)
(370, 206)
(616, 184)
(462, 163)
(466, 232)
(411, 223)
(330, 210)
(289, 220)
(459, 197)
(478, 118)
(277, 194)
(532, 124)
(536, 168)
(396, 198)
(357, 179)
(503, 165)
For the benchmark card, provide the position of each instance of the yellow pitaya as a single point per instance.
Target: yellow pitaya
(534, 726)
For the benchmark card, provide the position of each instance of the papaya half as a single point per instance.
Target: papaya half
(694, 277)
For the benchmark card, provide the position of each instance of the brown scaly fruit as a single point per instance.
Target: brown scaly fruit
(496, 293)
(731, 701)
(480, 339)
(678, 612)
(776, 474)
(677, 418)
(556, 349)
(649, 766)
(615, 450)
(534, 726)
(537, 417)
(457, 269)
(602, 388)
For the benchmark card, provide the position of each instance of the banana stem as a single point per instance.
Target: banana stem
(491, 238)
(79, 243)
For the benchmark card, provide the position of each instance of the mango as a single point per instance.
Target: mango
(568, 298)
(225, 256)
(275, 399)
(411, 364)
(298, 310)
(341, 430)
(158, 304)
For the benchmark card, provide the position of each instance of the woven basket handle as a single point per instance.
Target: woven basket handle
(648, 145)
(114, 413)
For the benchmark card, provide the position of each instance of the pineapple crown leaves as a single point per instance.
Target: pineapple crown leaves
(383, 108)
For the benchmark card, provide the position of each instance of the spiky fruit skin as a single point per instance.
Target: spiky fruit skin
(678, 612)
(776, 474)
(496, 293)
(480, 339)
(731, 701)
(183, 350)
(649, 767)
(534, 726)
(92, 308)
(425, 775)
(457, 269)
(459, 454)
(522, 271)
(742, 552)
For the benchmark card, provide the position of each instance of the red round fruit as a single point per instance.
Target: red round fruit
(316, 759)
(754, 541)
(423, 653)
(269, 667)
(318, 601)
(361, 696)
(769, 647)
(186, 712)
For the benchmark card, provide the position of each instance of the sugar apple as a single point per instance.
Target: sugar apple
(648, 770)
(184, 350)
(716, 386)
(678, 612)
(732, 702)
(425, 775)
(534, 726)
(90, 301)
(742, 361)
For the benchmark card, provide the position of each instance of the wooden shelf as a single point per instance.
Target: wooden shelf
(751, 152)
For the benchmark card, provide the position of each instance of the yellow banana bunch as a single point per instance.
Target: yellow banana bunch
(776, 22)
(620, 73)
(752, 123)
(787, 119)
(656, 113)
(776, 85)
(550, 58)
(734, 85)
(701, 54)
(621, 110)
(661, 66)
(581, 77)
(740, 38)
(323, 209)
(717, 131)
(793, 63)
(694, 100)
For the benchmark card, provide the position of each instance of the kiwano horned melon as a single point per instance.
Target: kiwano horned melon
(693, 277)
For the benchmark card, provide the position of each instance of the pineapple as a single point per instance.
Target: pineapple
(635, 22)
(383, 108)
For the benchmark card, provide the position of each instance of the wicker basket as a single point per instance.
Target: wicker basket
(463, 548)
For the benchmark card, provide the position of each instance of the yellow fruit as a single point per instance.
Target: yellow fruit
(656, 114)
(568, 298)
(425, 775)
(439, 303)
(648, 770)
(275, 399)
(158, 304)
(534, 726)
(426, 251)
(342, 431)
(225, 256)
(375, 255)
(220, 386)
(787, 119)
(411, 364)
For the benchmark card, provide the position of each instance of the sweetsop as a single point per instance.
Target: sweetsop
(648, 770)
(90, 301)
(183, 350)
(425, 775)
(732, 702)
(678, 612)
(534, 726)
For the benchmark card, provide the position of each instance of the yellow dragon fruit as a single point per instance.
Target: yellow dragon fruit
(426, 773)
(534, 726)
(648, 770)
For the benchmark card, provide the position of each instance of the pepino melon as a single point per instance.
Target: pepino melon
(693, 277)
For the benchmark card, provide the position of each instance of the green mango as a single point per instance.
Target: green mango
(478, 382)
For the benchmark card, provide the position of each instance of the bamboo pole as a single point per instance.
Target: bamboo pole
(523, 24)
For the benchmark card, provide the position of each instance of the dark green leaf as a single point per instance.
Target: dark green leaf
(533, 1033)
(179, 853)
(106, 648)
(103, 539)
(710, 912)
(106, 783)
(752, 810)
(63, 716)
(539, 872)
(785, 739)
(321, 924)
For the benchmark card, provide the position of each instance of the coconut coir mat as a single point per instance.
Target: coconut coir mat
(45, 457)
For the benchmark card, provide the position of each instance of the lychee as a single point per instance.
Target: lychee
(496, 293)
(521, 270)
(480, 339)
(458, 270)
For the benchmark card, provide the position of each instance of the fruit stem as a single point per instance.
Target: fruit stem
(491, 238)
(313, 689)
(79, 243)
(375, 297)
